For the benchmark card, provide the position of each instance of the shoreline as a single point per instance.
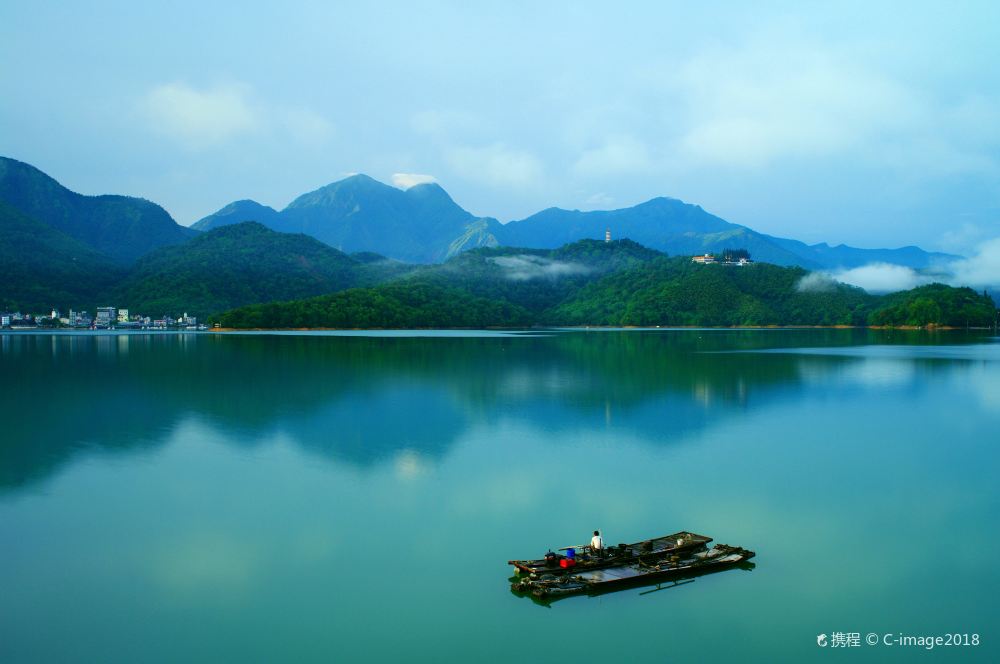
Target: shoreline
(926, 328)
(568, 328)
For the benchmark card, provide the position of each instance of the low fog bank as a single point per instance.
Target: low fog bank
(523, 267)
(980, 271)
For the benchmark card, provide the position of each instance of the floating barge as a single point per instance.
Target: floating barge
(681, 561)
(584, 558)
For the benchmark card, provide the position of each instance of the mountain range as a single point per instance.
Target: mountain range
(423, 224)
(61, 248)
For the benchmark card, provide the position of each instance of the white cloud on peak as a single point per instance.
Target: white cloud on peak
(407, 180)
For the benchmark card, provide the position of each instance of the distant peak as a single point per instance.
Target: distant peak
(427, 190)
(243, 204)
(357, 181)
(358, 177)
(662, 201)
(353, 181)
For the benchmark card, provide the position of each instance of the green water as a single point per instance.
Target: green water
(355, 497)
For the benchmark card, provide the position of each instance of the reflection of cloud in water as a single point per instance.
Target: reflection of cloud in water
(985, 352)
(880, 372)
(205, 562)
(524, 382)
(313, 545)
(409, 464)
(983, 382)
(867, 372)
(506, 492)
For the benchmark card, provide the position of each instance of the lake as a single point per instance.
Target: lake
(355, 497)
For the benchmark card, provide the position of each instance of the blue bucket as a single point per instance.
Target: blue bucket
(571, 553)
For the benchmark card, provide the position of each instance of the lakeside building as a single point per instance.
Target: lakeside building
(729, 257)
(105, 317)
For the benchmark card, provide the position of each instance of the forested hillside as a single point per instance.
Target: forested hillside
(623, 284)
(239, 264)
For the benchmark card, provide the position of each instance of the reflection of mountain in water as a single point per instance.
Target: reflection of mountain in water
(362, 400)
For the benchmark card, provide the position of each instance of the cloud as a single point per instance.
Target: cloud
(882, 277)
(496, 165)
(304, 126)
(982, 269)
(207, 117)
(599, 201)
(445, 123)
(959, 239)
(750, 105)
(407, 180)
(816, 282)
(524, 267)
(618, 155)
(197, 117)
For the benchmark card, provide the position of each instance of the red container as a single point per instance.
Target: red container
(567, 562)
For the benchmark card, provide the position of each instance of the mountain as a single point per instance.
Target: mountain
(359, 214)
(121, 227)
(843, 256)
(41, 267)
(665, 224)
(937, 304)
(237, 212)
(678, 228)
(236, 265)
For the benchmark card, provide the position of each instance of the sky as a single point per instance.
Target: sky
(870, 124)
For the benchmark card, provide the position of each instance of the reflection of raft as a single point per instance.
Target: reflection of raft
(682, 565)
(584, 559)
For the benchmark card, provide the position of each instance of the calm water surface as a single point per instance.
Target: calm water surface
(355, 497)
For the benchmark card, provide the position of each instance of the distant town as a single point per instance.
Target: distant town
(106, 318)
